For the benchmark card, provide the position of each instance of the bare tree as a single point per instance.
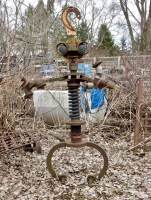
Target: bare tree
(10, 19)
(138, 18)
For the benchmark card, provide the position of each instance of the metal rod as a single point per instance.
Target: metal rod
(137, 123)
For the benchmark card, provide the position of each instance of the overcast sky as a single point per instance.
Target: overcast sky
(33, 2)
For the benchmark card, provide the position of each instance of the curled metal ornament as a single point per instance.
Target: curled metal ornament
(70, 30)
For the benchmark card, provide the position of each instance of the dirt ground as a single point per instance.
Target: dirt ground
(25, 176)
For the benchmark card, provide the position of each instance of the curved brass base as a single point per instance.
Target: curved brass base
(77, 145)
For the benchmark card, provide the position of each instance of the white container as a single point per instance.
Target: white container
(53, 106)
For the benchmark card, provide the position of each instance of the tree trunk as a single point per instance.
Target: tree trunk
(124, 7)
(146, 33)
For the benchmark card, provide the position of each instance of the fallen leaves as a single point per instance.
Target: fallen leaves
(25, 175)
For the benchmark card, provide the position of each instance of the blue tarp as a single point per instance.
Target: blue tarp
(47, 68)
(97, 98)
(84, 68)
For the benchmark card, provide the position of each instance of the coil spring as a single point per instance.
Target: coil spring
(73, 96)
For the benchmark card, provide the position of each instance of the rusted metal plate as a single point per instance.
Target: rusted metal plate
(11, 142)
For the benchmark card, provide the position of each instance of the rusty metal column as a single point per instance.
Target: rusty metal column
(137, 123)
(74, 110)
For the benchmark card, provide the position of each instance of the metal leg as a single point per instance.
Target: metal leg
(49, 163)
(105, 167)
(90, 178)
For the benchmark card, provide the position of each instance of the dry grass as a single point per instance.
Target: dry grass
(15, 111)
(24, 175)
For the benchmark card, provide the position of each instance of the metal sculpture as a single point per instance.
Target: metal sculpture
(73, 49)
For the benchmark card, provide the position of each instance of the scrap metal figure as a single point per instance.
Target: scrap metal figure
(73, 49)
